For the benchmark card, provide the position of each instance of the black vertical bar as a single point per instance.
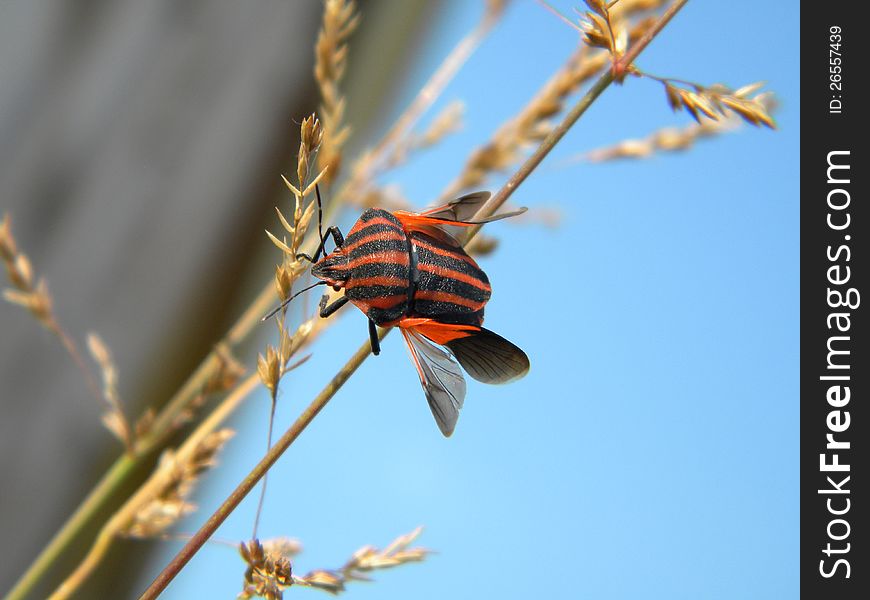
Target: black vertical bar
(834, 558)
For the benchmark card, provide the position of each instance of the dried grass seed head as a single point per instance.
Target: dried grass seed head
(364, 560)
(284, 278)
(113, 418)
(268, 573)
(178, 474)
(8, 249)
(505, 147)
(38, 302)
(327, 581)
(717, 101)
(311, 136)
(331, 50)
(18, 267)
(35, 298)
(228, 372)
(448, 121)
(269, 369)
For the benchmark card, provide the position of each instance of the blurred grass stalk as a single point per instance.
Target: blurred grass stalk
(620, 66)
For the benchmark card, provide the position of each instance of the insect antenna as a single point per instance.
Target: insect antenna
(287, 301)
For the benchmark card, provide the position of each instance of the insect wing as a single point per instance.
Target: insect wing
(461, 209)
(488, 357)
(443, 222)
(440, 377)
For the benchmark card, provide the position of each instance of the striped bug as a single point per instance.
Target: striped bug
(405, 270)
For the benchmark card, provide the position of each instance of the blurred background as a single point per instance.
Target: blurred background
(652, 451)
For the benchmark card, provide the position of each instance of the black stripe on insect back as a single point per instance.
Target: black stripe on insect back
(378, 269)
(382, 316)
(369, 292)
(413, 274)
(377, 246)
(447, 312)
(373, 213)
(439, 283)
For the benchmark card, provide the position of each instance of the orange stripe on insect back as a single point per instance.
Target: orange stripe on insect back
(400, 258)
(438, 332)
(451, 274)
(382, 302)
(375, 237)
(437, 296)
(384, 280)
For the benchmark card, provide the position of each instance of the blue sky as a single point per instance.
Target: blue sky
(652, 451)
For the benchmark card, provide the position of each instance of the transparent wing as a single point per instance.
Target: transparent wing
(440, 377)
(461, 209)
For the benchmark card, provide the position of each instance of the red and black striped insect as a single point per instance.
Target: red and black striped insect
(406, 270)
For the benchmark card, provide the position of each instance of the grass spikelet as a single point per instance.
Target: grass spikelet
(36, 299)
(672, 139)
(311, 139)
(179, 473)
(448, 121)
(227, 374)
(504, 149)
(389, 197)
(269, 570)
(33, 297)
(717, 101)
(113, 418)
(269, 368)
(223, 377)
(17, 264)
(599, 31)
(363, 561)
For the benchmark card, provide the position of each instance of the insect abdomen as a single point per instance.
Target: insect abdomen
(450, 285)
(379, 263)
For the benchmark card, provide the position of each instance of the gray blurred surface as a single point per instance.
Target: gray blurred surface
(140, 147)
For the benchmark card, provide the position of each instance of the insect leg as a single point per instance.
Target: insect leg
(327, 311)
(337, 237)
(319, 217)
(373, 338)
